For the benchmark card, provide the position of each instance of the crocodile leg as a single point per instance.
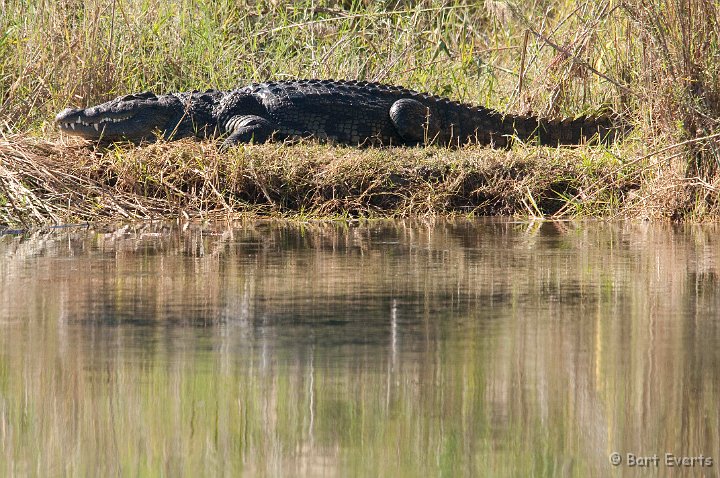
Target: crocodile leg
(414, 122)
(246, 129)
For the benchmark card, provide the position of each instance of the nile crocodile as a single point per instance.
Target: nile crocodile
(347, 112)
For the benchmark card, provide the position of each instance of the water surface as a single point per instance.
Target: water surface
(398, 348)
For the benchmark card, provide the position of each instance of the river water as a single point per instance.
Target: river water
(381, 348)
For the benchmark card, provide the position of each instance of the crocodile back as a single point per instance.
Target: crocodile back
(351, 112)
(358, 113)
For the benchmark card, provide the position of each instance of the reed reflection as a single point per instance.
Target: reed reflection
(383, 348)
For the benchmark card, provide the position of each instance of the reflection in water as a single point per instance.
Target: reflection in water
(398, 348)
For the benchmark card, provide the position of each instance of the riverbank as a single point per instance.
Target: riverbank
(646, 62)
(68, 181)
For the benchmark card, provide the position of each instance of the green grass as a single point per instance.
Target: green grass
(81, 53)
(653, 62)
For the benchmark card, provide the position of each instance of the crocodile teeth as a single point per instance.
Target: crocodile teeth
(80, 122)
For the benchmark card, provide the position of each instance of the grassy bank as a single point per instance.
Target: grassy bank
(70, 182)
(655, 63)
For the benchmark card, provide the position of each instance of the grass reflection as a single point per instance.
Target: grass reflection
(400, 348)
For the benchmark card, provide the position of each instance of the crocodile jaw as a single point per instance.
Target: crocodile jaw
(133, 117)
(104, 125)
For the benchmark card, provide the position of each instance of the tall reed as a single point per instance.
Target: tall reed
(679, 68)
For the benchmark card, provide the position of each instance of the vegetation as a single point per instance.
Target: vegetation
(654, 62)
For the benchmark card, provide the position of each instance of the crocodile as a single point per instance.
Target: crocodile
(355, 113)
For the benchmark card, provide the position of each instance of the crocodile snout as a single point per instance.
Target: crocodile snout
(68, 115)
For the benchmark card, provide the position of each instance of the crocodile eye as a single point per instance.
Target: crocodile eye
(145, 95)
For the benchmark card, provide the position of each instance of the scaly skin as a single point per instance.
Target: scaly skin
(348, 112)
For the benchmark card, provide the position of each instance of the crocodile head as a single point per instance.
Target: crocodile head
(134, 117)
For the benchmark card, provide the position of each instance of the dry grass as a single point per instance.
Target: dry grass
(677, 73)
(73, 182)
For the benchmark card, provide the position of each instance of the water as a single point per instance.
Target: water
(400, 348)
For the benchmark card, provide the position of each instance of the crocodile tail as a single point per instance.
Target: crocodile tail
(552, 132)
